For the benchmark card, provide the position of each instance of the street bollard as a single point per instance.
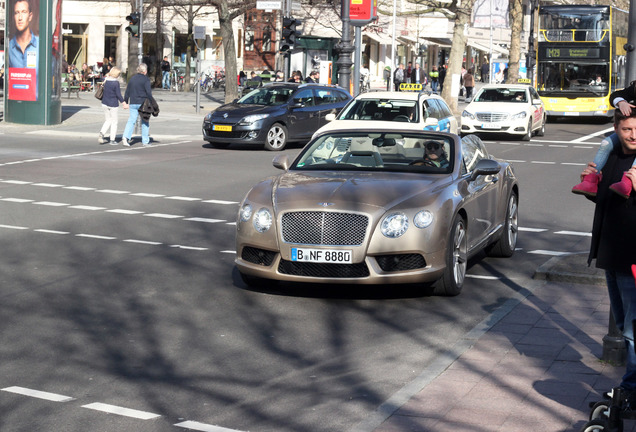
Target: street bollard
(614, 349)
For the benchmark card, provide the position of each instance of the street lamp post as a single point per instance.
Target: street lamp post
(345, 49)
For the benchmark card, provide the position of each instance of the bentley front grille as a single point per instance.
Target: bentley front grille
(324, 228)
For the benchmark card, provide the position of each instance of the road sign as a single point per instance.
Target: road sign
(199, 32)
(269, 4)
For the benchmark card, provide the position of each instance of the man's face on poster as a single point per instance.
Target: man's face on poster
(22, 15)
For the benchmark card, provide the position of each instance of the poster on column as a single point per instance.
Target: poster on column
(23, 50)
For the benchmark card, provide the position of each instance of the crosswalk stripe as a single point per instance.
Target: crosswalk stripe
(127, 412)
(53, 397)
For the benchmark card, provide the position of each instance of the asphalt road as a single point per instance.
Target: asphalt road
(118, 292)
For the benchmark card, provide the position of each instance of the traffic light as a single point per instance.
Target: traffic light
(289, 33)
(133, 24)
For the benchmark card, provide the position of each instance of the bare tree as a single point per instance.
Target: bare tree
(516, 25)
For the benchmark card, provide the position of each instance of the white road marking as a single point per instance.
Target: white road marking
(163, 215)
(18, 182)
(51, 204)
(95, 236)
(189, 247)
(85, 207)
(532, 229)
(113, 191)
(575, 233)
(148, 195)
(595, 134)
(550, 253)
(50, 231)
(232, 252)
(53, 397)
(17, 200)
(483, 277)
(122, 211)
(127, 412)
(193, 425)
(573, 163)
(79, 188)
(146, 242)
(50, 185)
(180, 198)
(220, 202)
(197, 219)
(13, 227)
(543, 162)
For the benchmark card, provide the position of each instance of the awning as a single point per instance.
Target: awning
(379, 38)
(408, 39)
(486, 48)
(441, 42)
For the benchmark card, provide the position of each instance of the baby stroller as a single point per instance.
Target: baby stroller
(608, 415)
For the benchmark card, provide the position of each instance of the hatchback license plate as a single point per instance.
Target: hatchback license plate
(490, 126)
(332, 256)
(222, 128)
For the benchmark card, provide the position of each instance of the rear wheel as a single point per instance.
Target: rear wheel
(276, 139)
(541, 131)
(505, 246)
(452, 281)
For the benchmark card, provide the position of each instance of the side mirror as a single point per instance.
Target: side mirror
(485, 167)
(536, 101)
(330, 117)
(281, 162)
(431, 121)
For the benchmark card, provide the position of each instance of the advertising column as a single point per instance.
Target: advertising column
(33, 61)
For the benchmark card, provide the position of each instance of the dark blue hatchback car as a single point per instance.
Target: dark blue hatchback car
(274, 115)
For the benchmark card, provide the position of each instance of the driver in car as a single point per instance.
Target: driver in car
(434, 156)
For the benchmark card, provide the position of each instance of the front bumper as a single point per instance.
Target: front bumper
(254, 133)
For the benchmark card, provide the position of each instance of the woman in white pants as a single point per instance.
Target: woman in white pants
(110, 104)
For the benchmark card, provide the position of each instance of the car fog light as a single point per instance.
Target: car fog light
(423, 219)
(262, 220)
(394, 225)
(246, 213)
(252, 134)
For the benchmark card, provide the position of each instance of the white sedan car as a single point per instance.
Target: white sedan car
(514, 109)
(394, 110)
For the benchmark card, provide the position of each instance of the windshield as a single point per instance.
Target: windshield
(572, 78)
(410, 152)
(382, 109)
(267, 96)
(573, 24)
(501, 95)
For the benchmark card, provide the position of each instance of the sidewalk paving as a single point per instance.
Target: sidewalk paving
(534, 366)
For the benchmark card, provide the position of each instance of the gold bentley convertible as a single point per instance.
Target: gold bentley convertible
(379, 207)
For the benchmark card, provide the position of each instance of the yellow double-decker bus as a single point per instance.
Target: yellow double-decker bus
(580, 58)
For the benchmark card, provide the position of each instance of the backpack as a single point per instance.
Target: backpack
(399, 75)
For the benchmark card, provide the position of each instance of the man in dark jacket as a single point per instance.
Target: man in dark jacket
(623, 99)
(614, 238)
(137, 91)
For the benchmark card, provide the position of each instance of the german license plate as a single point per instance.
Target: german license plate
(490, 126)
(222, 128)
(571, 113)
(332, 256)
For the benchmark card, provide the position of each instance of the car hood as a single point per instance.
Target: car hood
(354, 191)
(504, 107)
(236, 111)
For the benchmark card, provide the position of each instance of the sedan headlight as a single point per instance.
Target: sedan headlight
(394, 225)
(520, 115)
(245, 213)
(253, 118)
(423, 219)
(262, 220)
(208, 117)
(468, 114)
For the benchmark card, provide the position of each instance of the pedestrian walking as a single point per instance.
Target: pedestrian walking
(418, 76)
(434, 74)
(469, 84)
(110, 104)
(137, 91)
(613, 235)
(485, 71)
(165, 73)
(399, 77)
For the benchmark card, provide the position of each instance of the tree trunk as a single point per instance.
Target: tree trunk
(158, 44)
(186, 87)
(516, 23)
(229, 53)
(456, 56)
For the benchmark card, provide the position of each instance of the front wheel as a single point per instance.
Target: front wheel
(600, 410)
(528, 134)
(452, 281)
(276, 139)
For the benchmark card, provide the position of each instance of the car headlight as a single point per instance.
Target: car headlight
(467, 114)
(262, 220)
(520, 115)
(394, 225)
(253, 118)
(245, 213)
(423, 219)
(208, 118)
